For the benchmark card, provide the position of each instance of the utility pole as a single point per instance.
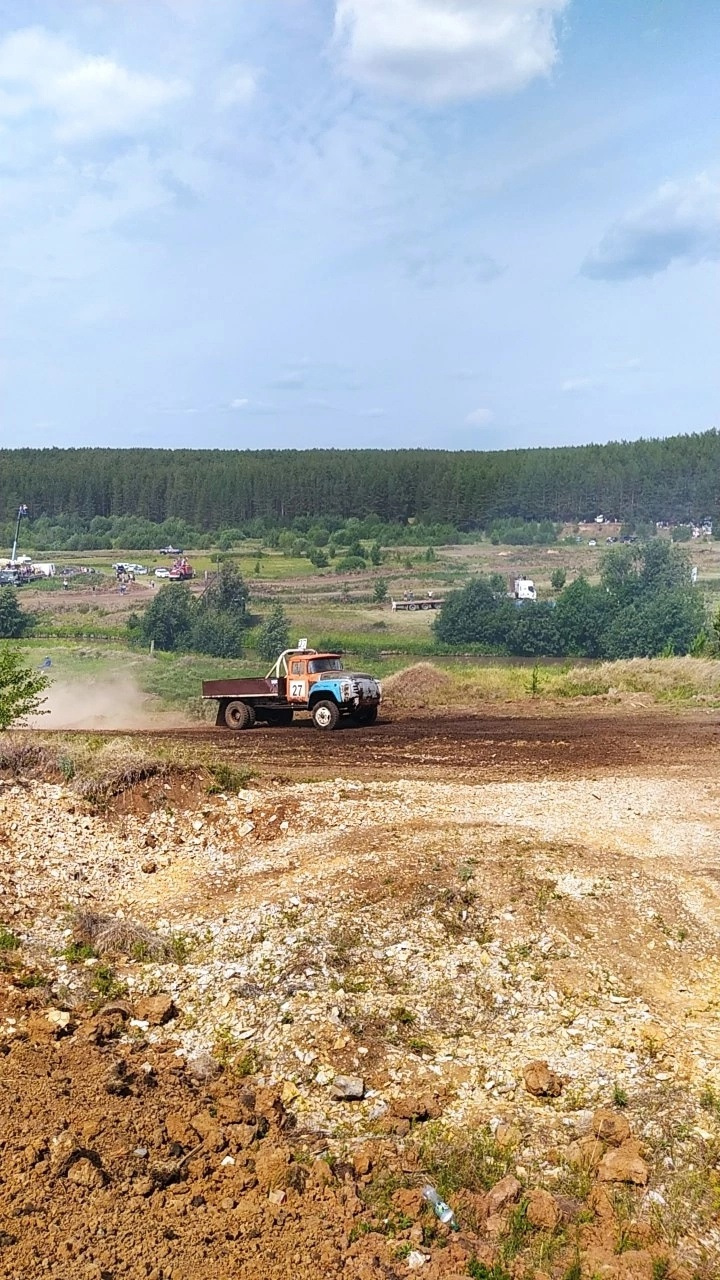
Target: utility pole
(22, 511)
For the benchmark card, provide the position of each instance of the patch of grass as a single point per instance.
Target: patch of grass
(481, 1271)
(227, 1051)
(19, 756)
(354, 986)
(100, 788)
(457, 1160)
(516, 1233)
(180, 947)
(9, 941)
(76, 952)
(710, 1100)
(661, 1269)
(30, 979)
(343, 941)
(378, 1194)
(417, 1045)
(111, 935)
(619, 1097)
(404, 1016)
(105, 983)
(574, 1271)
(575, 1181)
(227, 780)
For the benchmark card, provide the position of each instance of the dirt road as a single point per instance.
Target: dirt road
(468, 747)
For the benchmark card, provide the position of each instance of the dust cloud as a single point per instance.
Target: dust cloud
(110, 703)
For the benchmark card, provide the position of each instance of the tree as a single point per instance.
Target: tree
(227, 593)
(558, 578)
(582, 616)
(380, 590)
(534, 632)
(14, 622)
(475, 616)
(21, 689)
(217, 632)
(274, 636)
(168, 621)
(376, 553)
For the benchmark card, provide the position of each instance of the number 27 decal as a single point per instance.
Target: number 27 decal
(297, 688)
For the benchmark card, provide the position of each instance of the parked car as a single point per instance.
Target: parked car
(162, 573)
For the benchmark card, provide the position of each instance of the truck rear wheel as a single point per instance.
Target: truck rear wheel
(325, 714)
(239, 715)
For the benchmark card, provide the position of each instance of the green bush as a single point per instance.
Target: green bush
(274, 636)
(14, 621)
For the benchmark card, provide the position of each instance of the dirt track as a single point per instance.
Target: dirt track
(406, 925)
(472, 747)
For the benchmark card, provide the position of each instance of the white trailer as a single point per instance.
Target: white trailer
(422, 602)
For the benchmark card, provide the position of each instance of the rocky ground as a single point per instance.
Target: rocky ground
(240, 1032)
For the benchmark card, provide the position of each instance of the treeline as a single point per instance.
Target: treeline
(643, 607)
(319, 538)
(676, 479)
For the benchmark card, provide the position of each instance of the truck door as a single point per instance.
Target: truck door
(297, 682)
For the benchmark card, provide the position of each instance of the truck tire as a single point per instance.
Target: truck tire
(326, 714)
(239, 715)
(279, 716)
(366, 715)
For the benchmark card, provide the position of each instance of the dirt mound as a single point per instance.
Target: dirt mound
(418, 686)
(105, 1130)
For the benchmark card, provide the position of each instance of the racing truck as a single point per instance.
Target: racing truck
(302, 679)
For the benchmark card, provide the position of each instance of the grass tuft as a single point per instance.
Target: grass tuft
(103, 935)
(472, 1160)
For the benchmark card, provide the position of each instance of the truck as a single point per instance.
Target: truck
(410, 602)
(301, 679)
(523, 589)
(181, 571)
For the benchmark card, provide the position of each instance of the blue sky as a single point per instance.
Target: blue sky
(268, 223)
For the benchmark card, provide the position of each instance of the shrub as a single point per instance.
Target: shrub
(21, 689)
(14, 622)
(274, 636)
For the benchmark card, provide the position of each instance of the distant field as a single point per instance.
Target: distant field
(322, 605)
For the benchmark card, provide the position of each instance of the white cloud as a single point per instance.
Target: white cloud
(87, 95)
(237, 87)
(440, 50)
(572, 386)
(479, 418)
(680, 222)
(253, 407)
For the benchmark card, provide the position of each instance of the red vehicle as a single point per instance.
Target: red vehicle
(182, 570)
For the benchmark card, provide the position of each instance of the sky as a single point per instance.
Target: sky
(466, 224)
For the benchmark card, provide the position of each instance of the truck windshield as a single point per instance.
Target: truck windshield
(324, 664)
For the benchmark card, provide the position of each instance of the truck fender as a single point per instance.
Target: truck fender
(321, 693)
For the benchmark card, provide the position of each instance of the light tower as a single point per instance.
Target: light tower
(22, 511)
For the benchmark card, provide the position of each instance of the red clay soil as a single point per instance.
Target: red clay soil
(116, 1161)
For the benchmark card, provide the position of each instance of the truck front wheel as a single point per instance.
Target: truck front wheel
(238, 715)
(325, 715)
